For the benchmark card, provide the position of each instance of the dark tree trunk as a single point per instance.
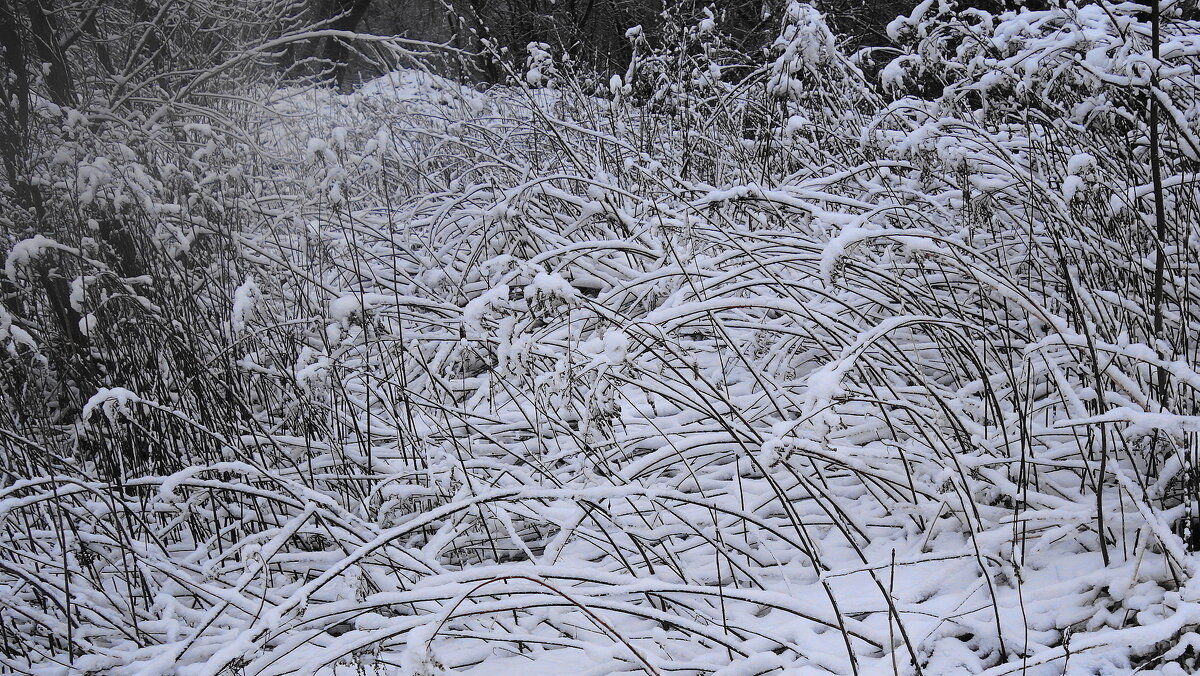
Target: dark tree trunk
(345, 15)
(45, 38)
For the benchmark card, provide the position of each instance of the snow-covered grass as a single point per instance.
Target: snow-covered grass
(775, 374)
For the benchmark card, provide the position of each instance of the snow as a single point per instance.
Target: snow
(616, 346)
(551, 285)
(802, 373)
(344, 307)
(13, 336)
(113, 402)
(88, 324)
(615, 84)
(245, 298)
(25, 252)
(481, 306)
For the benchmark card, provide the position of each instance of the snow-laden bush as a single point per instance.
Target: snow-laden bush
(551, 380)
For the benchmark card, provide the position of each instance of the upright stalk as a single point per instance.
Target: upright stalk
(1160, 218)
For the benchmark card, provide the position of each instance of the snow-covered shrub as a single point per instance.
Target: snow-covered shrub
(729, 380)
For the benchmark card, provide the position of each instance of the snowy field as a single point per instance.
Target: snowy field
(807, 368)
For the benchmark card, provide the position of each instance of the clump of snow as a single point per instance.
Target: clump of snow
(245, 303)
(88, 324)
(1080, 162)
(344, 307)
(1080, 169)
(483, 305)
(615, 85)
(616, 346)
(319, 148)
(540, 70)
(311, 370)
(549, 285)
(13, 336)
(23, 253)
(419, 658)
(113, 402)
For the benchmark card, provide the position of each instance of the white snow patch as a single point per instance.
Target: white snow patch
(245, 300)
(113, 402)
